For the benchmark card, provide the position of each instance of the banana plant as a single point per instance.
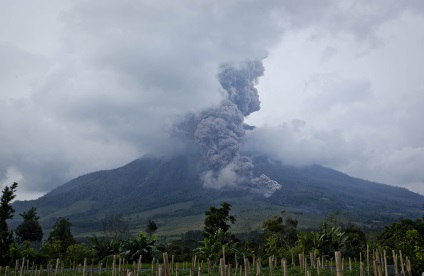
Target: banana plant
(141, 244)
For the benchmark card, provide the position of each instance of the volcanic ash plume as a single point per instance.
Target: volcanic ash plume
(219, 130)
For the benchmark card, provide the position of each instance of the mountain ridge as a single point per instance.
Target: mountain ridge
(169, 190)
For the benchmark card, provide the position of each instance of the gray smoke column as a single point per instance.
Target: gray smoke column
(240, 85)
(219, 130)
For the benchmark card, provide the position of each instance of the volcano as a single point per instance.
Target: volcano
(170, 191)
(176, 189)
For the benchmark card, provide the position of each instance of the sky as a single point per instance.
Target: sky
(87, 86)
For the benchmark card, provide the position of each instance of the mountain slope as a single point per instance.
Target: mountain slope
(169, 190)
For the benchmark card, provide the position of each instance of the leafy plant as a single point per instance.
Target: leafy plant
(104, 247)
(279, 237)
(23, 250)
(78, 252)
(141, 244)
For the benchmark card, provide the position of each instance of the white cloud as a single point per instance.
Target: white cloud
(368, 105)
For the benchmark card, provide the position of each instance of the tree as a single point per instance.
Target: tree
(51, 250)
(356, 241)
(216, 231)
(279, 237)
(6, 212)
(30, 229)
(151, 227)
(408, 236)
(218, 218)
(23, 250)
(78, 252)
(62, 232)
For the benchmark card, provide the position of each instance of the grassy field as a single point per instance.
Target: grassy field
(179, 218)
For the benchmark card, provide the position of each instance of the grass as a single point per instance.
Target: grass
(77, 207)
(176, 219)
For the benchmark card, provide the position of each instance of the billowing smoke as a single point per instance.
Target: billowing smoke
(239, 84)
(218, 131)
(265, 185)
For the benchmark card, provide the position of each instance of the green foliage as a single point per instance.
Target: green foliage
(182, 249)
(132, 248)
(62, 233)
(31, 214)
(217, 233)
(326, 242)
(78, 252)
(6, 213)
(309, 241)
(214, 244)
(356, 241)
(333, 239)
(407, 236)
(23, 250)
(279, 237)
(217, 219)
(104, 247)
(51, 250)
(151, 227)
(6, 209)
(394, 235)
(30, 229)
(418, 264)
(195, 235)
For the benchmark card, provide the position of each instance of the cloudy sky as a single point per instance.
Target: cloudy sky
(90, 85)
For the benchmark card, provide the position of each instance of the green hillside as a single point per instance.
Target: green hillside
(169, 191)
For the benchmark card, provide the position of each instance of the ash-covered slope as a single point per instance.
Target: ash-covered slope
(171, 187)
(322, 189)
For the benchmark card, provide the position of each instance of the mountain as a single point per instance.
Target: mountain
(169, 191)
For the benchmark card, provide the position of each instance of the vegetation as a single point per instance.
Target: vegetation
(217, 232)
(278, 245)
(406, 236)
(151, 227)
(30, 229)
(6, 213)
(278, 236)
(61, 234)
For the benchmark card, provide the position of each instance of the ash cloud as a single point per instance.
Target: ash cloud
(239, 83)
(218, 131)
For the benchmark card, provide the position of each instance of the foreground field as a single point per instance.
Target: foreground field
(306, 266)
